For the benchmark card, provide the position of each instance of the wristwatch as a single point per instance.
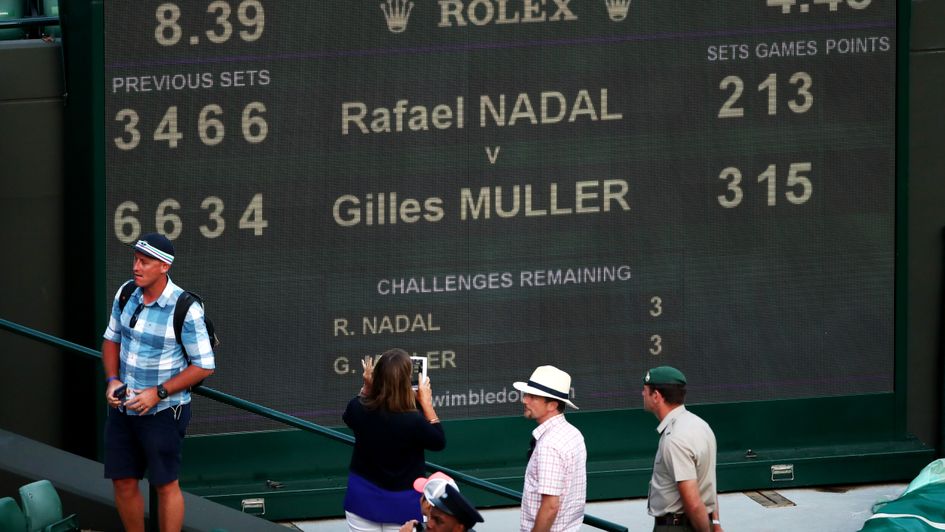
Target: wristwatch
(161, 391)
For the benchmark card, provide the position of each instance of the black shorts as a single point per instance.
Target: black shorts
(135, 444)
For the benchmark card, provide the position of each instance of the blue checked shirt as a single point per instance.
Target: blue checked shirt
(150, 354)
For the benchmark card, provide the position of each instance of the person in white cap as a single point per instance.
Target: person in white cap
(427, 487)
(451, 511)
(430, 488)
(555, 488)
(147, 382)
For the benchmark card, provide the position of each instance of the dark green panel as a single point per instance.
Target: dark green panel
(928, 28)
(31, 228)
(83, 181)
(926, 219)
(38, 65)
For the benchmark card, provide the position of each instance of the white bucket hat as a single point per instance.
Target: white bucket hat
(548, 381)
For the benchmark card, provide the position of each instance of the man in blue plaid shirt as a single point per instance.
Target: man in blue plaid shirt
(146, 423)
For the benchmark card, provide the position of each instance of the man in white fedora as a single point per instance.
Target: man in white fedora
(556, 477)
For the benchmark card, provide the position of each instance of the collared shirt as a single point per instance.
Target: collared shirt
(149, 352)
(687, 451)
(558, 466)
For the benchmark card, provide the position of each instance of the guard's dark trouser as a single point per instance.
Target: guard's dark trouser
(672, 523)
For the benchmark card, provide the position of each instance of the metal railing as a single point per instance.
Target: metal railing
(291, 421)
(33, 20)
(34, 16)
(28, 22)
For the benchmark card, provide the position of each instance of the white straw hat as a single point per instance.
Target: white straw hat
(548, 381)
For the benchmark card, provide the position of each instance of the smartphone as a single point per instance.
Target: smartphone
(121, 393)
(419, 371)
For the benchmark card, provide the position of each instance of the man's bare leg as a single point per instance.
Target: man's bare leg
(171, 507)
(130, 504)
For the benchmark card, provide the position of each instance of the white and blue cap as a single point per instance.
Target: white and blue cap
(449, 500)
(156, 245)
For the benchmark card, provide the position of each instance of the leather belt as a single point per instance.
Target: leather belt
(679, 519)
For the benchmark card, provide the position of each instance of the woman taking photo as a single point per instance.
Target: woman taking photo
(390, 436)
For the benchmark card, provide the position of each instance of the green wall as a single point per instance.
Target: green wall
(926, 219)
(32, 232)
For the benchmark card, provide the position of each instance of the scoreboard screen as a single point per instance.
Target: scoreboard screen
(601, 185)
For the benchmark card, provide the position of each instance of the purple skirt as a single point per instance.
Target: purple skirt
(379, 505)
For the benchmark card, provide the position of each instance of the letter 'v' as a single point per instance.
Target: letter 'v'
(493, 155)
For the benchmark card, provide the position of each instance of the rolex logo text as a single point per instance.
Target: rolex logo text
(482, 12)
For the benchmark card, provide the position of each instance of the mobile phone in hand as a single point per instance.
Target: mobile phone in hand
(121, 393)
(419, 371)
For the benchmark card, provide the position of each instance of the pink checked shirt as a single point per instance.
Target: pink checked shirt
(557, 467)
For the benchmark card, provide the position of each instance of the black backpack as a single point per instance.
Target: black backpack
(184, 301)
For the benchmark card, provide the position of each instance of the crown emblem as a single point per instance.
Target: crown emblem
(617, 9)
(396, 12)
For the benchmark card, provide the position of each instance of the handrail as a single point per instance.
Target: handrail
(29, 22)
(293, 421)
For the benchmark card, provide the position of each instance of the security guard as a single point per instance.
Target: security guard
(683, 487)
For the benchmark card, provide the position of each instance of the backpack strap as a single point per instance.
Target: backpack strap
(184, 301)
(126, 290)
